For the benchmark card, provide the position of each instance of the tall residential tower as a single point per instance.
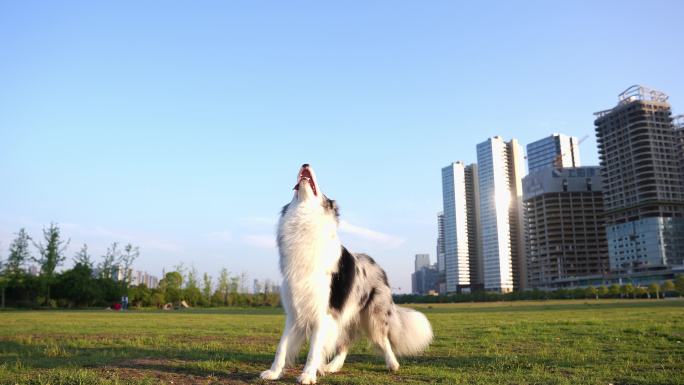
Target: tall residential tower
(440, 243)
(459, 186)
(500, 168)
(474, 232)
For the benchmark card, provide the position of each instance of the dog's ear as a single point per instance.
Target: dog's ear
(332, 206)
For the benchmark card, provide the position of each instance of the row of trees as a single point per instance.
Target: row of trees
(89, 284)
(83, 285)
(177, 286)
(654, 290)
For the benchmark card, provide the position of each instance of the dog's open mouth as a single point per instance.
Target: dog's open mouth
(305, 175)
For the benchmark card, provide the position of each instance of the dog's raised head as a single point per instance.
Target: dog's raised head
(307, 186)
(308, 195)
(307, 229)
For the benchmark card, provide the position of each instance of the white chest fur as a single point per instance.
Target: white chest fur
(309, 253)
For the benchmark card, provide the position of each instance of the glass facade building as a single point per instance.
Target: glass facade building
(556, 150)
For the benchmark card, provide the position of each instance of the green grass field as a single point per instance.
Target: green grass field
(551, 342)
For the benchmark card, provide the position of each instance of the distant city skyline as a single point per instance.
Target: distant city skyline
(180, 129)
(498, 227)
(557, 226)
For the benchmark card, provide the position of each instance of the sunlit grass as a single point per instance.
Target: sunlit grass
(549, 342)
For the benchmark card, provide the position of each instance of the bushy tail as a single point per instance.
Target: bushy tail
(411, 332)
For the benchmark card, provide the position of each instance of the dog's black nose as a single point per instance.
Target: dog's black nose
(305, 165)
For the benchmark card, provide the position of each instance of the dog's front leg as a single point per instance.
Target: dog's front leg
(315, 357)
(284, 347)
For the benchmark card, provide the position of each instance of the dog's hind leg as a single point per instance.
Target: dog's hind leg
(287, 350)
(337, 362)
(376, 320)
(390, 359)
(345, 339)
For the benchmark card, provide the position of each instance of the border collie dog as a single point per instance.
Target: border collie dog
(330, 295)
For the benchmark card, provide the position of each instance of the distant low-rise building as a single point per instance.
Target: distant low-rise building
(425, 281)
(425, 277)
(136, 277)
(150, 281)
(271, 287)
(422, 260)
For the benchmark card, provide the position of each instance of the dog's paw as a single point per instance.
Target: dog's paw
(306, 378)
(333, 367)
(393, 366)
(270, 375)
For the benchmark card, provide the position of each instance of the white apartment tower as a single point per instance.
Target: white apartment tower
(460, 216)
(500, 169)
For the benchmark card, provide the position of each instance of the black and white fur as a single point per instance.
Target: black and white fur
(330, 295)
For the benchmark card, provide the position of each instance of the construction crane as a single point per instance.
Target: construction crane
(558, 161)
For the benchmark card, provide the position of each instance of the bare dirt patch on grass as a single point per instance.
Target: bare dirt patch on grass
(173, 371)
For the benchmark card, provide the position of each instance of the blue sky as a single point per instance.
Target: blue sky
(180, 127)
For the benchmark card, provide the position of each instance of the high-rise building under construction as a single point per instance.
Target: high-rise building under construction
(643, 183)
